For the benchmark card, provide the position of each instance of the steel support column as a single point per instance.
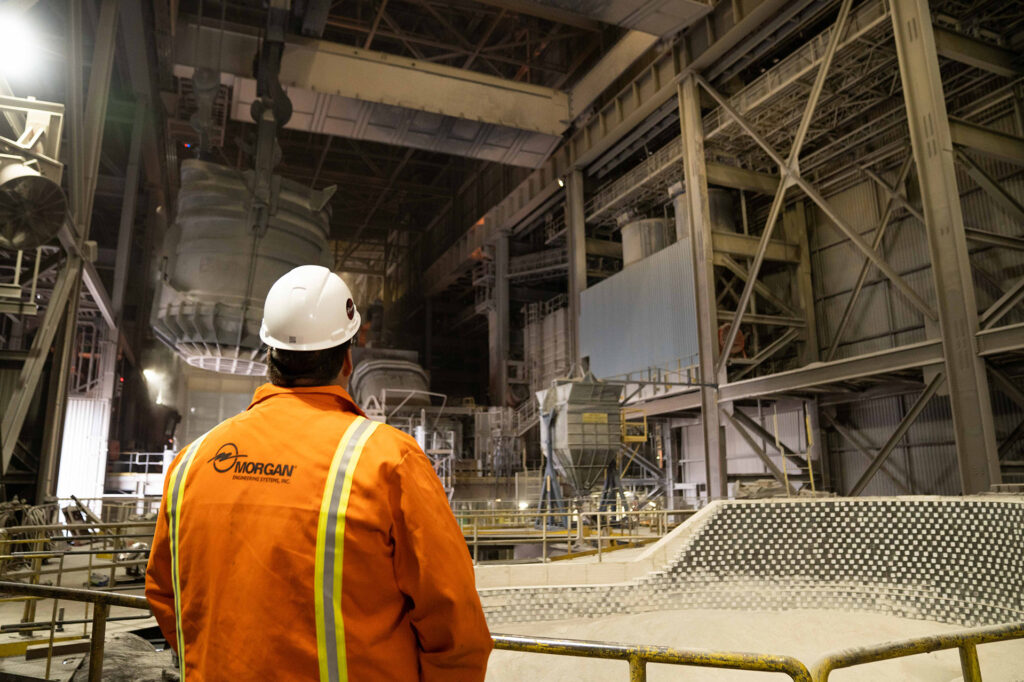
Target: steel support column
(82, 181)
(122, 258)
(958, 319)
(60, 374)
(576, 236)
(693, 207)
(794, 226)
(669, 461)
(498, 324)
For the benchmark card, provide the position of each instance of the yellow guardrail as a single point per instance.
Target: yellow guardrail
(966, 641)
(639, 656)
(636, 655)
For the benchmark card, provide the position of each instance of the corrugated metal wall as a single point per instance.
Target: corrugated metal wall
(83, 453)
(643, 316)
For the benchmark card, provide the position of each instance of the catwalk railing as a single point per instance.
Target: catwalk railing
(572, 532)
(636, 655)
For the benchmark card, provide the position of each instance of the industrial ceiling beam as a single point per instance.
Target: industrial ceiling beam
(649, 91)
(410, 41)
(552, 14)
(736, 244)
(741, 178)
(976, 53)
(994, 143)
(1005, 339)
(318, 66)
(611, 66)
(912, 356)
(992, 187)
(662, 18)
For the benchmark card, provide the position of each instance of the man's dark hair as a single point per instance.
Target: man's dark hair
(290, 368)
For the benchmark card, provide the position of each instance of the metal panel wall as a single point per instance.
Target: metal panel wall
(83, 455)
(642, 317)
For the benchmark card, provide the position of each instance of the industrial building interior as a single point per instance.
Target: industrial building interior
(709, 314)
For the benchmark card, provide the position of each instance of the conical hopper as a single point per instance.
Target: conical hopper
(586, 429)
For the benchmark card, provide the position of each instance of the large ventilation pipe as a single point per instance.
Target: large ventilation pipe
(218, 266)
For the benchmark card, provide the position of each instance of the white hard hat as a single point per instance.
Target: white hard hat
(309, 308)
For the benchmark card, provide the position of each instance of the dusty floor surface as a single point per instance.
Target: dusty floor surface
(807, 635)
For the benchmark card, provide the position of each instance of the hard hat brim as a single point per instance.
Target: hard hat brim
(349, 333)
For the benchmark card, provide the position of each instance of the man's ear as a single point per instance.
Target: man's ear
(346, 367)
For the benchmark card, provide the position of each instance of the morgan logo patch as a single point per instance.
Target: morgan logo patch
(229, 460)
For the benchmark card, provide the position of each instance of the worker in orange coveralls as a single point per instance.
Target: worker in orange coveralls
(300, 540)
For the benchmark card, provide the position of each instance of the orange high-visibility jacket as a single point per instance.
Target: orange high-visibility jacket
(301, 541)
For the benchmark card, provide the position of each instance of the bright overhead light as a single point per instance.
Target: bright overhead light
(19, 48)
(152, 375)
(524, 505)
(561, 182)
